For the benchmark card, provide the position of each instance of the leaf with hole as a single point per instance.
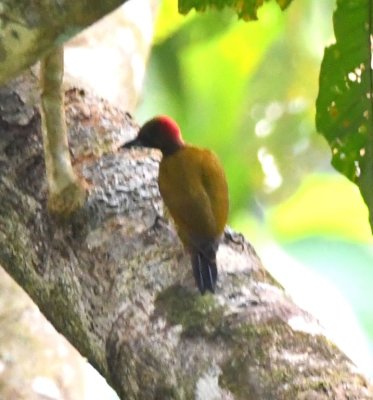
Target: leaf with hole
(344, 103)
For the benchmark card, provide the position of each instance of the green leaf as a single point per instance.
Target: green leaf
(344, 103)
(245, 9)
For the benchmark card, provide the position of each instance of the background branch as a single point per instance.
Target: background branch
(30, 29)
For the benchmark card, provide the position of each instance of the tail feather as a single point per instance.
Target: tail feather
(205, 271)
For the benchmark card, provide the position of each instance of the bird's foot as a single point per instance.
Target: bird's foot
(236, 238)
(160, 222)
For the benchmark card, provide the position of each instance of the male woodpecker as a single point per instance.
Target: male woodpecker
(194, 189)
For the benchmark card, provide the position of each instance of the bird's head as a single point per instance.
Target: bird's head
(161, 133)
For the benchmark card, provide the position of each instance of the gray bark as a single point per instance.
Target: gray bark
(116, 283)
(30, 28)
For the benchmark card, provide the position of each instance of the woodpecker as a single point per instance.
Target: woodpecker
(194, 189)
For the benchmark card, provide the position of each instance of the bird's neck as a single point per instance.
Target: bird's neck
(172, 148)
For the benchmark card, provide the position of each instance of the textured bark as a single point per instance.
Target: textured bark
(30, 28)
(114, 279)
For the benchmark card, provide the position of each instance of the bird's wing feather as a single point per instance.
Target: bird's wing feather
(194, 189)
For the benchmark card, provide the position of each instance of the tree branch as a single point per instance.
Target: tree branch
(30, 29)
(65, 192)
(119, 287)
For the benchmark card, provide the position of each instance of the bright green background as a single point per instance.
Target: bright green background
(248, 90)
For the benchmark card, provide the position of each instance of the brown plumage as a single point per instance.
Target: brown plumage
(194, 189)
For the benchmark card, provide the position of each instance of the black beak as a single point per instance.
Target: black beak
(133, 143)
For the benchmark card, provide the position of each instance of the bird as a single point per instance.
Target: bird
(194, 189)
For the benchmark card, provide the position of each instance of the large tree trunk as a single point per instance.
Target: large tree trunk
(114, 279)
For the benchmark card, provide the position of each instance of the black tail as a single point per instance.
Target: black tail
(204, 269)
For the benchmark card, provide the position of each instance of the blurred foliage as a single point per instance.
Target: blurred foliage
(346, 219)
(347, 265)
(248, 90)
(344, 104)
(245, 9)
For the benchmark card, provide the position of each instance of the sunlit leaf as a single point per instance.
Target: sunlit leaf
(245, 9)
(344, 103)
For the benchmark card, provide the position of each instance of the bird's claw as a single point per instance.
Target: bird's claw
(236, 238)
(159, 222)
